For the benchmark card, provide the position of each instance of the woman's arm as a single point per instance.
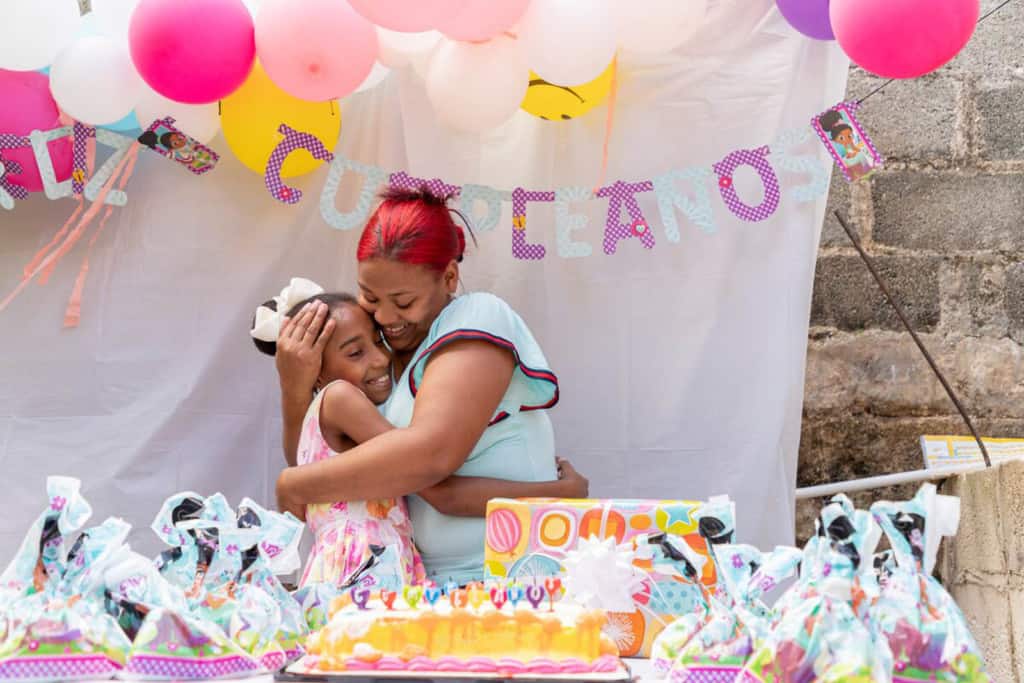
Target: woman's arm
(468, 496)
(449, 416)
(298, 358)
(346, 410)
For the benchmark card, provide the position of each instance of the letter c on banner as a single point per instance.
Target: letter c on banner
(758, 159)
(293, 140)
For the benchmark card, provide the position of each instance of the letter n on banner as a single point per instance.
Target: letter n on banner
(522, 249)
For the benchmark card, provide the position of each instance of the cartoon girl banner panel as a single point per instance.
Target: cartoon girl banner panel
(846, 141)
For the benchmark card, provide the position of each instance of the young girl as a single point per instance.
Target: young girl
(356, 377)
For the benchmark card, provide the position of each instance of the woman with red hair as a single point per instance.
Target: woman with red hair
(471, 385)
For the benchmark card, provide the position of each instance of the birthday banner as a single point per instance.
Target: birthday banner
(782, 171)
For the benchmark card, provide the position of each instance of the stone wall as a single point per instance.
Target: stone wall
(944, 222)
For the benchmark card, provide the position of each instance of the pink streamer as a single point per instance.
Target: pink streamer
(73, 312)
(77, 231)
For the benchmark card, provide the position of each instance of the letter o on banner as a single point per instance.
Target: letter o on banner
(758, 159)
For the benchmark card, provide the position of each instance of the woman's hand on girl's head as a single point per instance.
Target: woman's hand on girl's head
(576, 485)
(300, 350)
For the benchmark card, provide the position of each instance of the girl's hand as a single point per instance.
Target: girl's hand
(576, 485)
(286, 501)
(300, 350)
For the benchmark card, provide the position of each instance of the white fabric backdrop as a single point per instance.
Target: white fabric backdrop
(681, 367)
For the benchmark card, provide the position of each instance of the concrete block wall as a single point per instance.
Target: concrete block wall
(983, 566)
(944, 221)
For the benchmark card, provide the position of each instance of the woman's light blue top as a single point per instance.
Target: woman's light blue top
(519, 444)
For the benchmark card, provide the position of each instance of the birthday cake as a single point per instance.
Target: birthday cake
(467, 630)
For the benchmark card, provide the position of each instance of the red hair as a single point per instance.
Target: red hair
(414, 227)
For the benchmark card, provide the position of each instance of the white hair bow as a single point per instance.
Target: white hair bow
(268, 321)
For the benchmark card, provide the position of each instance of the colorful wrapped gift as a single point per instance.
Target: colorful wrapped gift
(529, 539)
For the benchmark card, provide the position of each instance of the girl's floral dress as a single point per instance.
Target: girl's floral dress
(344, 531)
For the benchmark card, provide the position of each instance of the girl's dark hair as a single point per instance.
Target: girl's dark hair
(334, 301)
(832, 123)
(415, 227)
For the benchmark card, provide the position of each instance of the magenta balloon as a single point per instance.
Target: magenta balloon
(903, 38)
(408, 16)
(28, 106)
(482, 19)
(809, 17)
(192, 51)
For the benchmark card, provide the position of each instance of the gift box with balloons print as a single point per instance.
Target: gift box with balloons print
(529, 539)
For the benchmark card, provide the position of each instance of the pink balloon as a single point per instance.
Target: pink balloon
(28, 106)
(482, 19)
(503, 530)
(192, 51)
(408, 16)
(316, 50)
(902, 38)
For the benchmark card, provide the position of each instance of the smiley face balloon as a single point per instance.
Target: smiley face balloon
(560, 102)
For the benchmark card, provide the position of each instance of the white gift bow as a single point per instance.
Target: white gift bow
(268, 321)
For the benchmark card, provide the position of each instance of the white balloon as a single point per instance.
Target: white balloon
(112, 17)
(477, 86)
(399, 50)
(377, 74)
(569, 42)
(201, 121)
(33, 32)
(94, 80)
(653, 26)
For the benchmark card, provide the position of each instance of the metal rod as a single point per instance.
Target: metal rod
(920, 345)
(869, 483)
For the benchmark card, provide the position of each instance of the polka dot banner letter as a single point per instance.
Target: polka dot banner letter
(758, 158)
(293, 140)
(615, 230)
(471, 194)
(566, 223)
(8, 190)
(78, 156)
(670, 198)
(435, 185)
(808, 163)
(373, 178)
(522, 249)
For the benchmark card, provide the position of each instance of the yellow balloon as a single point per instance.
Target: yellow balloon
(250, 117)
(559, 102)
